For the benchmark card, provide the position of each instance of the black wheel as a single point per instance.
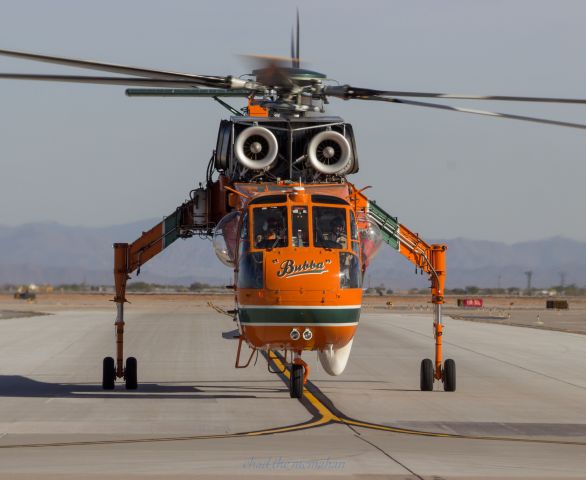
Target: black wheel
(108, 373)
(426, 376)
(296, 381)
(449, 376)
(130, 374)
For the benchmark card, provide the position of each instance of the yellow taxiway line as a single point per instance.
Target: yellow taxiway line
(323, 416)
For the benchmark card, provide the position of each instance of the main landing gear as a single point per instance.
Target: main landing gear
(130, 373)
(445, 373)
(297, 377)
(113, 369)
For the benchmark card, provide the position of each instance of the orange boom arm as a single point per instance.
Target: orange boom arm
(429, 258)
(130, 257)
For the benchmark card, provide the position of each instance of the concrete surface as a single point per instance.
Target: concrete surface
(519, 410)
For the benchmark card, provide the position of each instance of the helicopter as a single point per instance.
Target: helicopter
(281, 212)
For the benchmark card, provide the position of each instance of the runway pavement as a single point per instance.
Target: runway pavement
(519, 410)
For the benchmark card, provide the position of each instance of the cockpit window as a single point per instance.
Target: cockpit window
(270, 227)
(299, 226)
(354, 234)
(329, 227)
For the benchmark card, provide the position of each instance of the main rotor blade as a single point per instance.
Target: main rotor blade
(127, 81)
(477, 112)
(346, 91)
(187, 92)
(204, 80)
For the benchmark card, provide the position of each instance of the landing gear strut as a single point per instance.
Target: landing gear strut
(117, 369)
(445, 373)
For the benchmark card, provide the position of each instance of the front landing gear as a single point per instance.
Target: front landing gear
(296, 381)
(298, 376)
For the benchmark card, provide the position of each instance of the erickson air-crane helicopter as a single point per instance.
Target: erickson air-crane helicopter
(281, 212)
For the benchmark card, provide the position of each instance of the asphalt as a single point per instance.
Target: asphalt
(519, 410)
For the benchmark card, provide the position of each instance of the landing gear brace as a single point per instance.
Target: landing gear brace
(432, 260)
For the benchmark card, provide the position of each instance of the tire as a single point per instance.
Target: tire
(296, 381)
(426, 375)
(108, 373)
(130, 373)
(449, 375)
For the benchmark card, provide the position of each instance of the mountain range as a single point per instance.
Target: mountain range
(58, 254)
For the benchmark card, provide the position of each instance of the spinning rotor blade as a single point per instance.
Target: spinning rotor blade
(271, 70)
(297, 53)
(477, 112)
(347, 92)
(292, 49)
(187, 92)
(128, 81)
(295, 45)
(203, 80)
(504, 98)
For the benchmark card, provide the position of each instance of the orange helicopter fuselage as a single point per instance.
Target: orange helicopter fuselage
(300, 289)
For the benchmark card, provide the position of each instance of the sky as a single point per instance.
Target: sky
(88, 155)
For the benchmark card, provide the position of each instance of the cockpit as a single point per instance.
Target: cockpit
(279, 226)
(274, 222)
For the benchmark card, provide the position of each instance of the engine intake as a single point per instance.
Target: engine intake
(256, 148)
(329, 152)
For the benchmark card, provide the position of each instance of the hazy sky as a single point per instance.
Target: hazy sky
(88, 155)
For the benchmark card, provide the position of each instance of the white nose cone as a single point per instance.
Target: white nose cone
(334, 361)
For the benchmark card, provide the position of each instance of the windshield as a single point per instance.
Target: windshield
(329, 227)
(270, 227)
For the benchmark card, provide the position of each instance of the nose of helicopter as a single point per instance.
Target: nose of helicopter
(306, 303)
(317, 270)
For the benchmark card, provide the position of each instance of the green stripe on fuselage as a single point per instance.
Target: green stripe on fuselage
(303, 316)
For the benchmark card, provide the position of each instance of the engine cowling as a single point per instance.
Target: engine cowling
(256, 148)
